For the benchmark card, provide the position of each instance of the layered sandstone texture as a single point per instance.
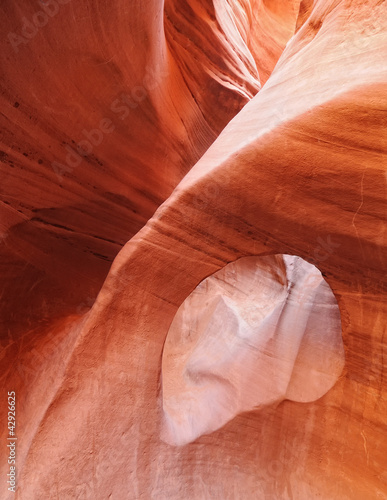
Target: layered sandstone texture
(260, 330)
(194, 249)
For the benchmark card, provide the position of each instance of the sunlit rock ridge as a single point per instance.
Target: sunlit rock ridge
(147, 149)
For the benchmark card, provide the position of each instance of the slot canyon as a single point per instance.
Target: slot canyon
(193, 243)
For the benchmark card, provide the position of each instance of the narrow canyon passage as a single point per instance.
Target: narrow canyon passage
(193, 250)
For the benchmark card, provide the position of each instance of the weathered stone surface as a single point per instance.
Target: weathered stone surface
(104, 112)
(300, 170)
(257, 332)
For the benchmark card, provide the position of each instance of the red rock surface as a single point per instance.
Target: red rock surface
(300, 170)
(257, 332)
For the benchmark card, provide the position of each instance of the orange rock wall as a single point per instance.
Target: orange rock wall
(300, 170)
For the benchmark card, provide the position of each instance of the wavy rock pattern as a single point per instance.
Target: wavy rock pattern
(300, 170)
(104, 112)
(257, 332)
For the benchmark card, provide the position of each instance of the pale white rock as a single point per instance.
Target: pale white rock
(260, 330)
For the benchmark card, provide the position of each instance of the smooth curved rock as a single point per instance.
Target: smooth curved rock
(300, 170)
(257, 332)
(104, 113)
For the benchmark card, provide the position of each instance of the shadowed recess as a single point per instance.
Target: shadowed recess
(260, 330)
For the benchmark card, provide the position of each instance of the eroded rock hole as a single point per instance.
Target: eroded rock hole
(257, 332)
